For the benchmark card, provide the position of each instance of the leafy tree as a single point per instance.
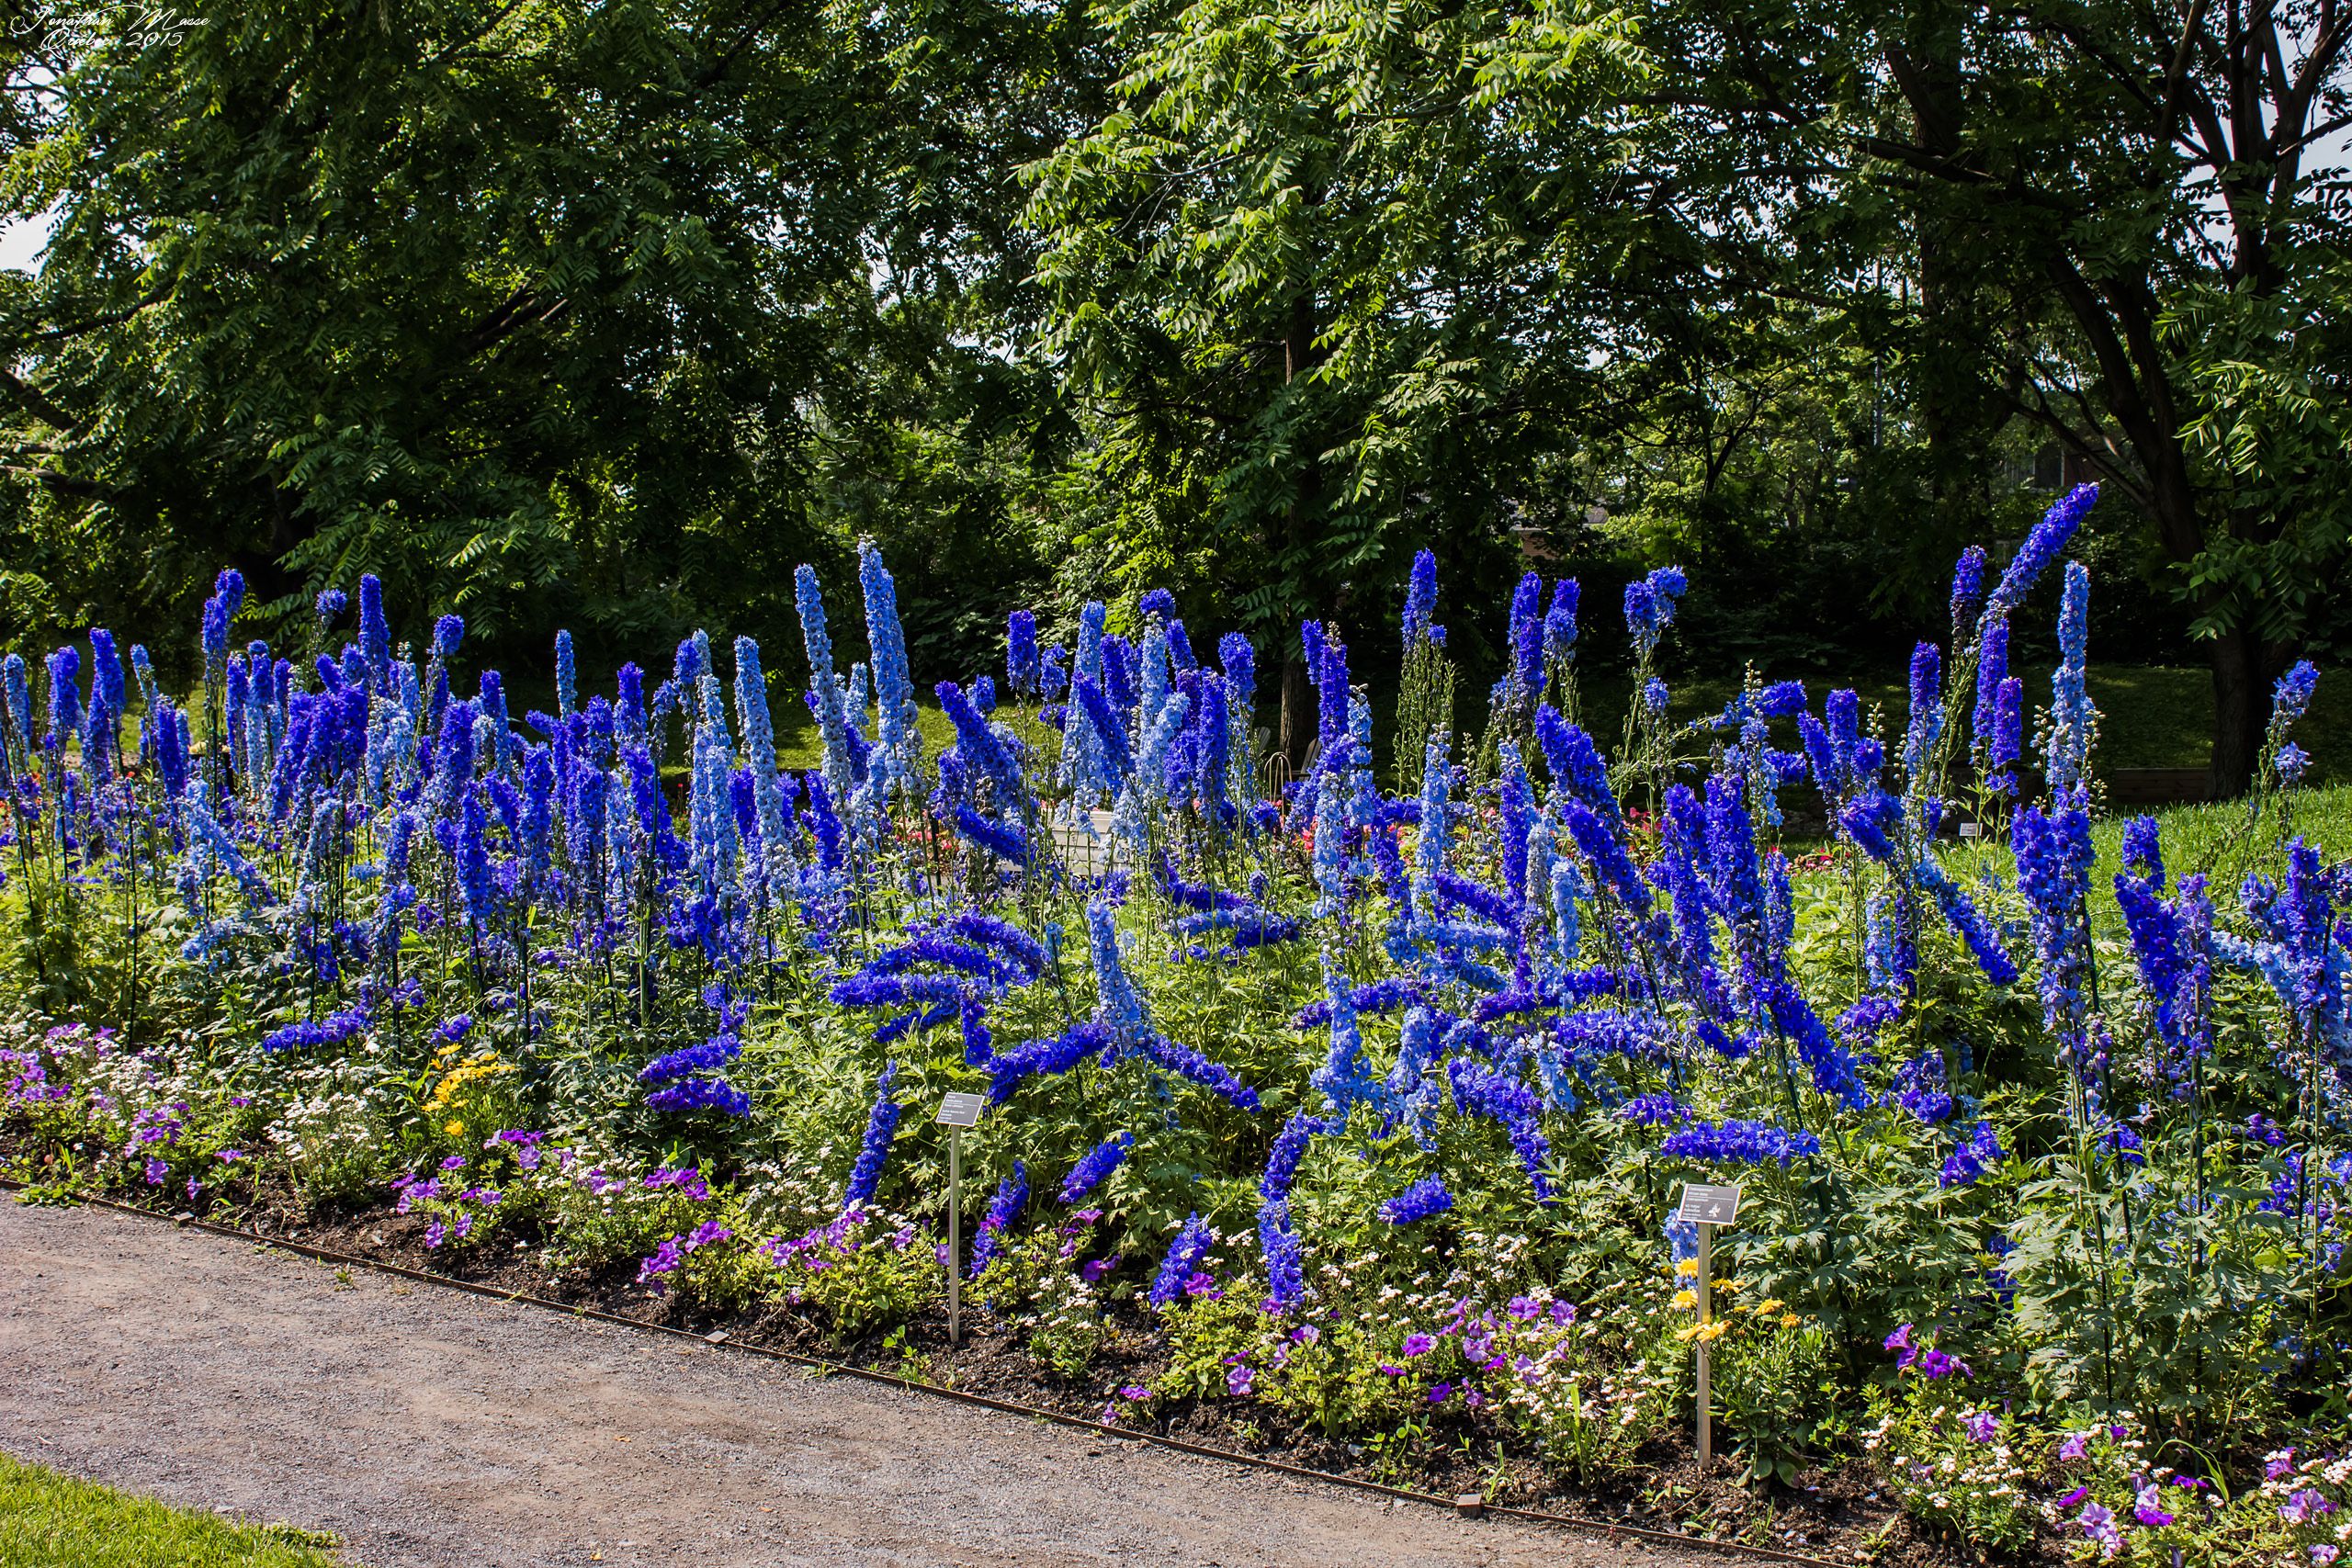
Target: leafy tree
(1326, 272)
(2081, 186)
(543, 310)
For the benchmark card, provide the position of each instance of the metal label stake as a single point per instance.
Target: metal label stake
(1706, 1208)
(958, 1110)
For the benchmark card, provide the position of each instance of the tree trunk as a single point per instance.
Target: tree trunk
(2240, 674)
(1298, 683)
(1298, 707)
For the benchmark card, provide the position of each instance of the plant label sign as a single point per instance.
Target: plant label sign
(1709, 1205)
(960, 1110)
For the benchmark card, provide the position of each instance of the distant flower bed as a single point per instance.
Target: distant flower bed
(1360, 1112)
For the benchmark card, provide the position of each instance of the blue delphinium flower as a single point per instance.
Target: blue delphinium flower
(1525, 677)
(824, 686)
(477, 893)
(700, 1094)
(1919, 737)
(1150, 782)
(1331, 690)
(1152, 685)
(1920, 1088)
(1118, 1002)
(1739, 1142)
(567, 676)
(1650, 606)
(1346, 1075)
(1890, 949)
(1423, 1199)
(333, 1029)
(1238, 659)
(1653, 1110)
(1185, 1255)
(1599, 844)
(1089, 726)
(448, 633)
(1430, 843)
(99, 738)
(1278, 1242)
(1971, 1160)
(1829, 765)
(16, 690)
(2040, 547)
(1420, 601)
(1212, 755)
(1992, 669)
(2291, 697)
(710, 1055)
(1490, 1091)
(107, 680)
(980, 747)
(2143, 852)
(1290, 1148)
(1011, 1197)
(452, 760)
(2296, 954)
(759, 752)
(1187, 1062)
(1023, 666)
(64, 696)
(1560, 625)
(881, 1126)
(1967, 590)
(1869, 820)
(2067, 760)
(1574, 762)
(1097, 1162)
(2007, 742)
(1054, 1053)
(2173, 948)
(900, 743)
(214, 636)
(375, 634)
(2053, 857)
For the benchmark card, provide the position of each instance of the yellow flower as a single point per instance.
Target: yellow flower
(1773, 1304)
(1789, 1320)
(1710, 1332)
(1688, 1268)
(454, 1128)
(1730, 1284)
(1687, 1299)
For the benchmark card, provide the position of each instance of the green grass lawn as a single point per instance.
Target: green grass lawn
(48, 1520)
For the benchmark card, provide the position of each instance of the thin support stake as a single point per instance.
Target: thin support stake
(1706, 1315)
(954, 1236)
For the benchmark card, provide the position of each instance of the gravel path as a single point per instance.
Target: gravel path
(429, 1427)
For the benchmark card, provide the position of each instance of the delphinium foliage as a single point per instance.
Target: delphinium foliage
(1365, 1104)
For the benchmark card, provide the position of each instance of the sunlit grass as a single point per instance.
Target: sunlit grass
(48, 1520)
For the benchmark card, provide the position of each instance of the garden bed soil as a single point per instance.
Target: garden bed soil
(1834, 1512)
(434, 1428)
